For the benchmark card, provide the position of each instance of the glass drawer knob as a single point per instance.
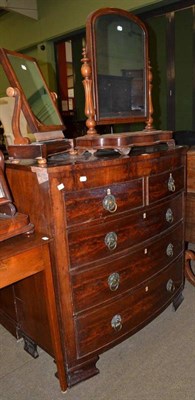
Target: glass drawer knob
(114, 281)
(116, 322)
(111, 240)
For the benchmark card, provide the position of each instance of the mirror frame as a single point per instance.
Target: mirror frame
(91, 55)
(34, 124)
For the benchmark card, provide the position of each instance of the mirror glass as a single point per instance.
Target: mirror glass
(120, 68)
(35, 90)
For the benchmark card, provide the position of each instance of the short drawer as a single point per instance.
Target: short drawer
(129, 313)
(165, 184)
(93, 204)
(107, 239)
(102, 283)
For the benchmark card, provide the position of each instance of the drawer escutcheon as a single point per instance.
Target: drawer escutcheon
(116, 322)
(111, 240)
(169, 215)
(109, 202)
(170, 286)
(169, 250)
(171, 184)
(114, 281)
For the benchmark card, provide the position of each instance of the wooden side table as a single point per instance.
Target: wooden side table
(24, 256)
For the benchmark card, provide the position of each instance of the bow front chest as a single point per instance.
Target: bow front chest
(117, 225)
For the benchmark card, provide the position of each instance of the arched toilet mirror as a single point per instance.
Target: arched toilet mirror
(118, 49)
(37, 103)
(117, 81)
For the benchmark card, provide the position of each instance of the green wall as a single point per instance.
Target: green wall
(184, 69)
(183, 54)
(157, 53)
(56, 18)
(63, 17)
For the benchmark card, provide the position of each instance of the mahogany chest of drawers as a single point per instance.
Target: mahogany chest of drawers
(118, 249)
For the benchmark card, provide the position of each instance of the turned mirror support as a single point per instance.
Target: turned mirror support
(87, 83)
(149, 125)
(18, 138)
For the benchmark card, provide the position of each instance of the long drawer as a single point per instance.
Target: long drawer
(109, 324)
(94, 286)
(103, 240)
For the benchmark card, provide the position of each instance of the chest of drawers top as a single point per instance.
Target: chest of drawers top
(85, 172)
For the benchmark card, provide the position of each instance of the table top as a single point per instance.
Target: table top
(21, 243)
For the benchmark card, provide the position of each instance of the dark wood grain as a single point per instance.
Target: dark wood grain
(90, 284)
(86, 205)
(88, 244)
